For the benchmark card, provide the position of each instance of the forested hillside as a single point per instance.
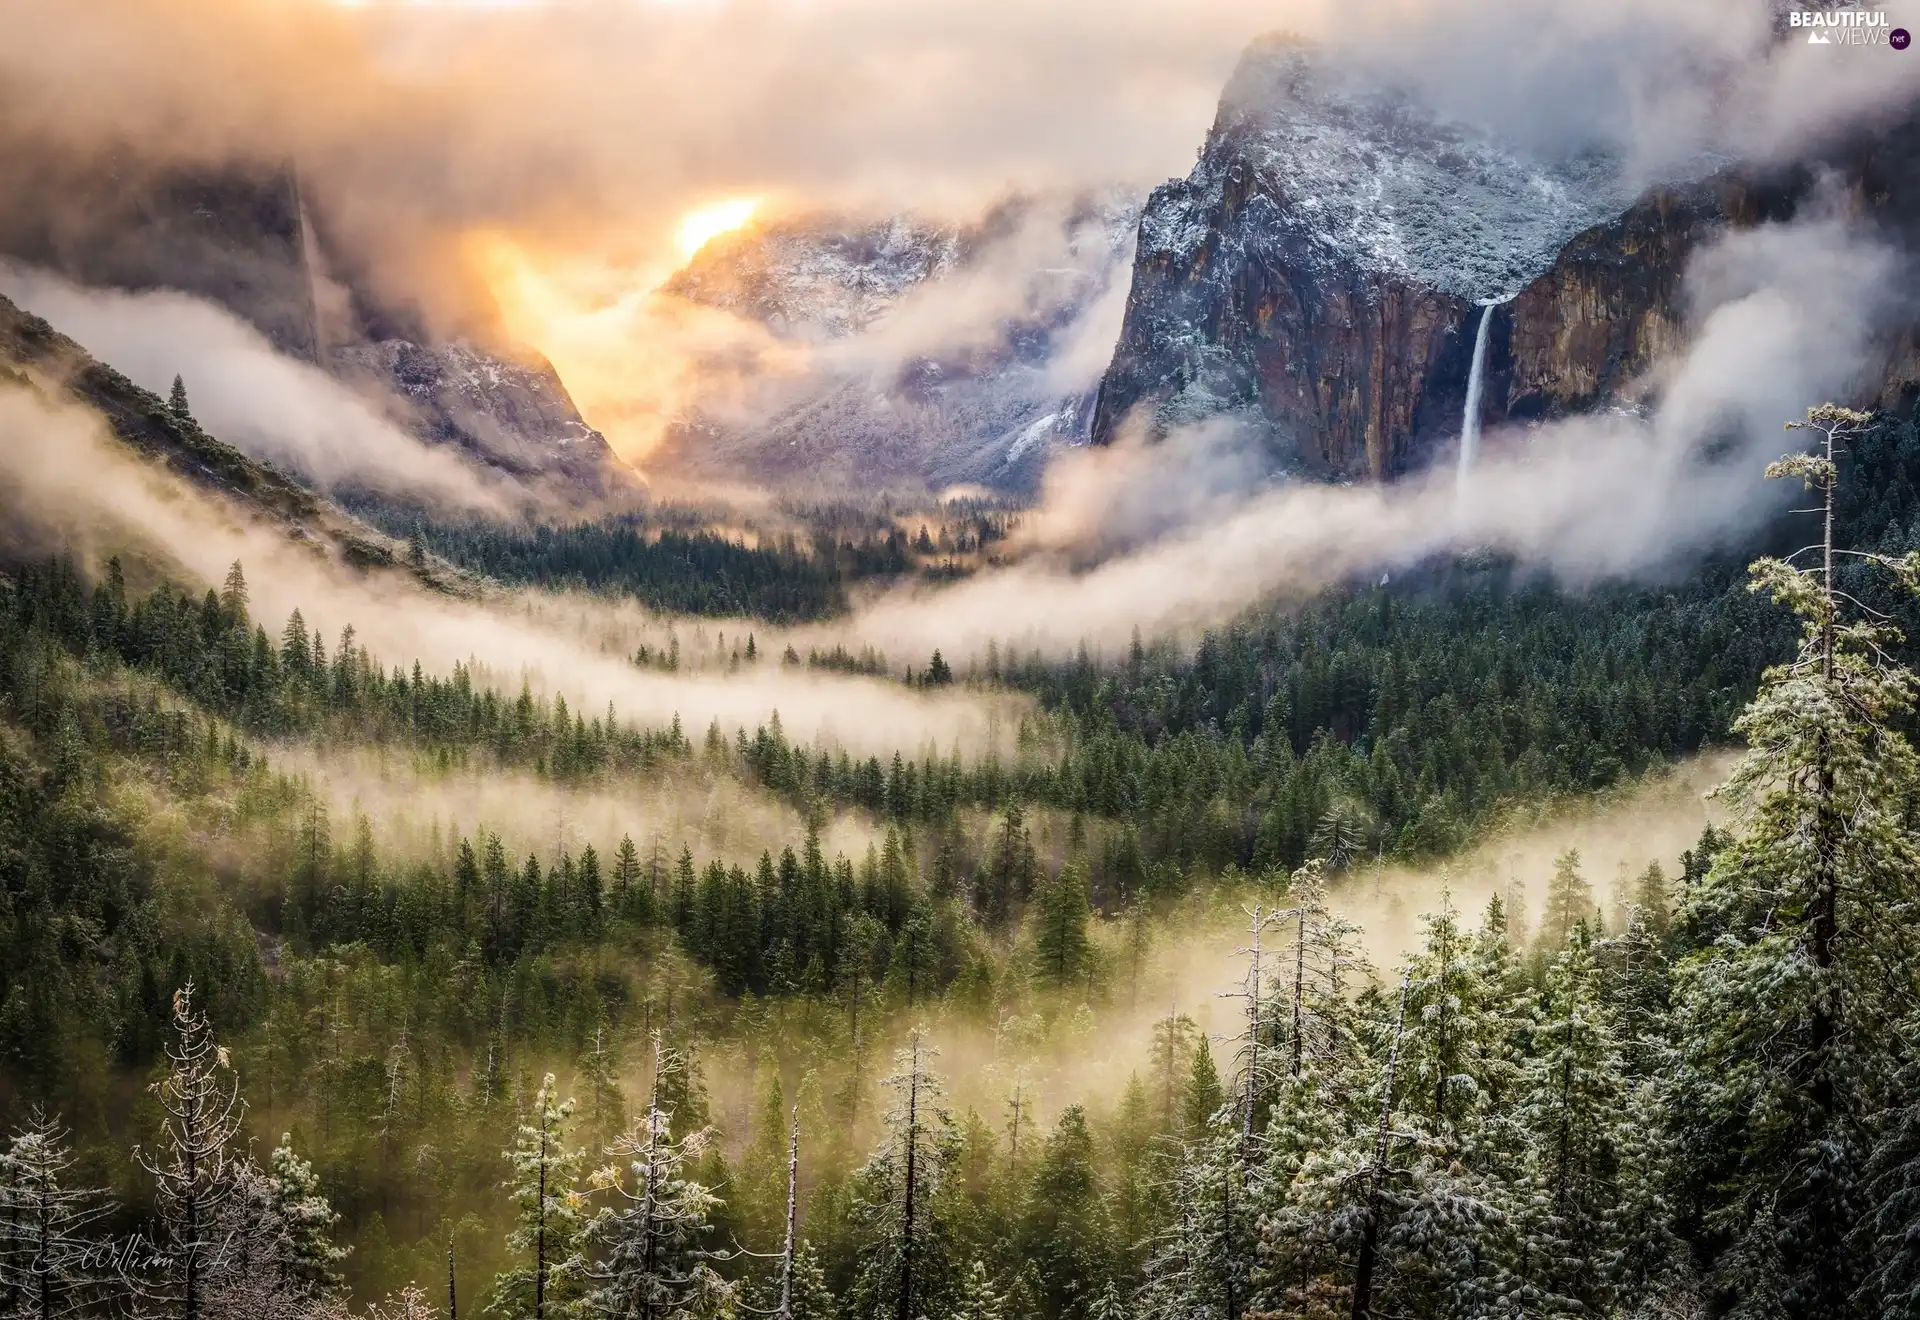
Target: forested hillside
(263, 1059)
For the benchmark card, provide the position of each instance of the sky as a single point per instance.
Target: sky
(541, 167)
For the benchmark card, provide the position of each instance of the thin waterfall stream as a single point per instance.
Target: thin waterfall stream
(1470, 421)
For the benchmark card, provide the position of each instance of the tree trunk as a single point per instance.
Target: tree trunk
(1370, 1237)
(904, 1310)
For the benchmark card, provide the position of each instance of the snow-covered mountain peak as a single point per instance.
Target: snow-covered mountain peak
(1371, 178)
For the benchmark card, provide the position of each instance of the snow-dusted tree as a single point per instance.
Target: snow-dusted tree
(1454, 1032)
(195, 1170)
(52, 1261)
(1199, 1265)
(1573, 1093)
(308, 1261)
(1790, 1013)
(410, 1303)
(977, 1298)
(549, 1213)
(651, 1261)
(1314, 973)
(900, 1209)
(1382, 1219)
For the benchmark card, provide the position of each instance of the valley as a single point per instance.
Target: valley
(607, 710)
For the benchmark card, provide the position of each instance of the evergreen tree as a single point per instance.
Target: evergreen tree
(304, 1220)
(177, 400)
(977, 1298)
(1060, 934)
(549, 1215)
(900, 1208)
(1569, 901)
(1064, 1230)
(52, 1262)
(606, 1102)
(1571, 1104)
(1792, 1012)
(651, 1260)
(195, 1170)
(1205, 1096)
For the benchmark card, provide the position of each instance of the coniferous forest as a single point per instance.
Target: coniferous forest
(260, 1057)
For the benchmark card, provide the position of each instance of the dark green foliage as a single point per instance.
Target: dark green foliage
(682, 571)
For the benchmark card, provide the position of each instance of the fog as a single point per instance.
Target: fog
(1066, 1049)
(408, 804)
(262, 402)
(528, 164)
(73, 487)
(1779, 318)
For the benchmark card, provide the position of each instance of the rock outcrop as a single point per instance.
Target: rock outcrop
(1320, 274)
(513, 415)
(37, 356)
(931, 354)
(246, 240)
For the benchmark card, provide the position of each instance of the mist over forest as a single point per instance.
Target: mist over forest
(1041, 661)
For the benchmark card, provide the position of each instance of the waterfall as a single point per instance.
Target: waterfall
(1470, 423)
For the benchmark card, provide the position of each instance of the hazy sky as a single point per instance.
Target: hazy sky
(546, 154)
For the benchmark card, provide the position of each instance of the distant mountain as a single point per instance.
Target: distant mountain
(1319, 274)
(246, 240)
(933, 354)
(33, 353)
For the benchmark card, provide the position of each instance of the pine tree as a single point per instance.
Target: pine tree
(1453, 1033)
(1569, 901)
(1064, 1228)
(1792, 1011)
(652, 1262)
(606, 1102)
(1172, 1052)
(52, 1262)
(1060, 935)
(900, 1205)
(233, 597)
(177, 400)
(195, 1170)
(308, 1269)
(761, 1185)
(549, 1213)
(977, 1298)
(1205, 1097)
(1572, 1096)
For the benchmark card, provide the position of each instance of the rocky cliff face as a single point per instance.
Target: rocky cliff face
(515, 416)
(1321, 273)
(245, 240)
(932, 354)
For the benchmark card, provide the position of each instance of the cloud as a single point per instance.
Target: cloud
(578, 134)
(264, 404)
(65, 484)
(1781, 318)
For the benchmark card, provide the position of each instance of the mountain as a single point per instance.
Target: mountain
(35, 354)
(931, 353)
(1321, 271)
(247, 240)
(511, 412)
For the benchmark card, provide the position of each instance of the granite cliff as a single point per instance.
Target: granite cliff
(1321, 273)
(245, 239)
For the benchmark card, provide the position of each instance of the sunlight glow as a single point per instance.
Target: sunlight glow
(701, 226)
